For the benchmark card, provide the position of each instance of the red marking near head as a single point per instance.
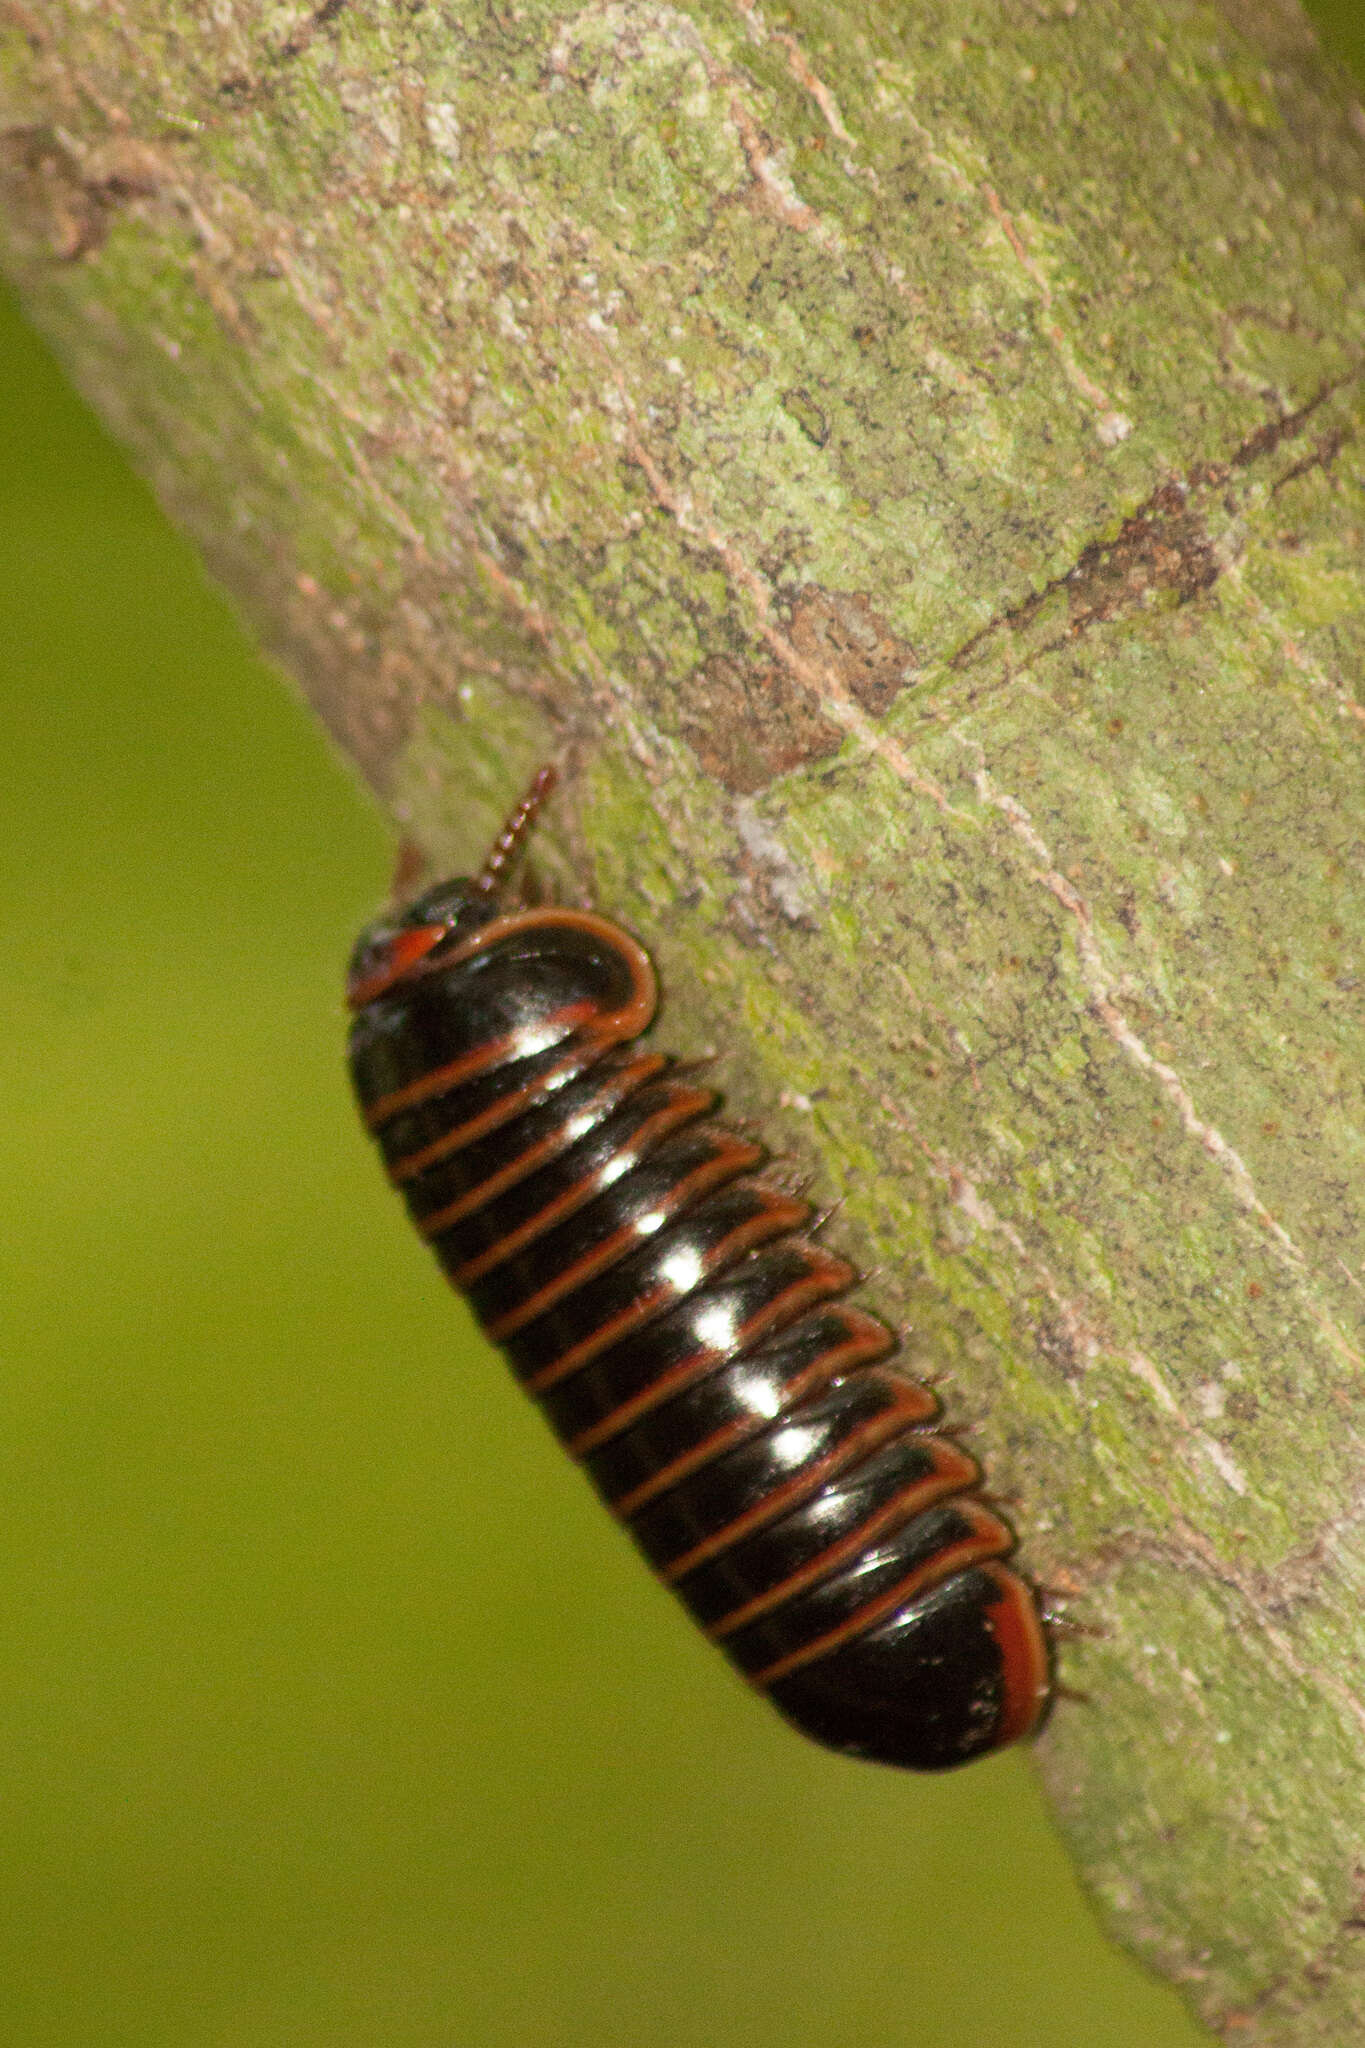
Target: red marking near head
(390, 962)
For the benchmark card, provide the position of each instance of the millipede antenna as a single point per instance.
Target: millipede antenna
(513, 835)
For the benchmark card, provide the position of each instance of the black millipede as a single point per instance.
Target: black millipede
(690, 1346)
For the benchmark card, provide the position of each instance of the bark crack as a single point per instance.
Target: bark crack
(1165, 545)
(1102, 1006)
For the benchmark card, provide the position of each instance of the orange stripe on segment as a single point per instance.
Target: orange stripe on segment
(897, 1420)
(733, 1157)
(863, 1331)
(530, 1095)
(685, 1107)
(803, 1387)
(609, 1027)
(618, 1087)
(634, 1014)
(893, 1514)
(1024, 1656)
(773, 1220)
(397, 958)
(495, 1053)
(831, 1364)
(824, 1283)
(989, 1539)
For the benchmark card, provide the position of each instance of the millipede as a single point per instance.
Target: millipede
(689, 1341)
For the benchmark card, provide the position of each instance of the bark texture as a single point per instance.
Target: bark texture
(906, 461)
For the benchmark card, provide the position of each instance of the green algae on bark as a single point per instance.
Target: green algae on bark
(908, 467)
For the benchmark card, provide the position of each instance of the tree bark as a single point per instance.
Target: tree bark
(905, 463)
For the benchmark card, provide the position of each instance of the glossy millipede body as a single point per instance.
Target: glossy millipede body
(689, 1345)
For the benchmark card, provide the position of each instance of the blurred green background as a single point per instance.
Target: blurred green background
(333, 1710)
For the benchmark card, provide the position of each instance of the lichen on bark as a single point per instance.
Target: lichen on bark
(907, 465)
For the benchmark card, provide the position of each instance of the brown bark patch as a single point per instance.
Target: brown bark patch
(854, 643)
(47, 195)
(67, 202)
(749, 721)
(1165, 546)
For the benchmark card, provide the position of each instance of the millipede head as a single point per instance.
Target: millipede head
(396, 945)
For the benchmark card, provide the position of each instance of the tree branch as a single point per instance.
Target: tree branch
(907, 465)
